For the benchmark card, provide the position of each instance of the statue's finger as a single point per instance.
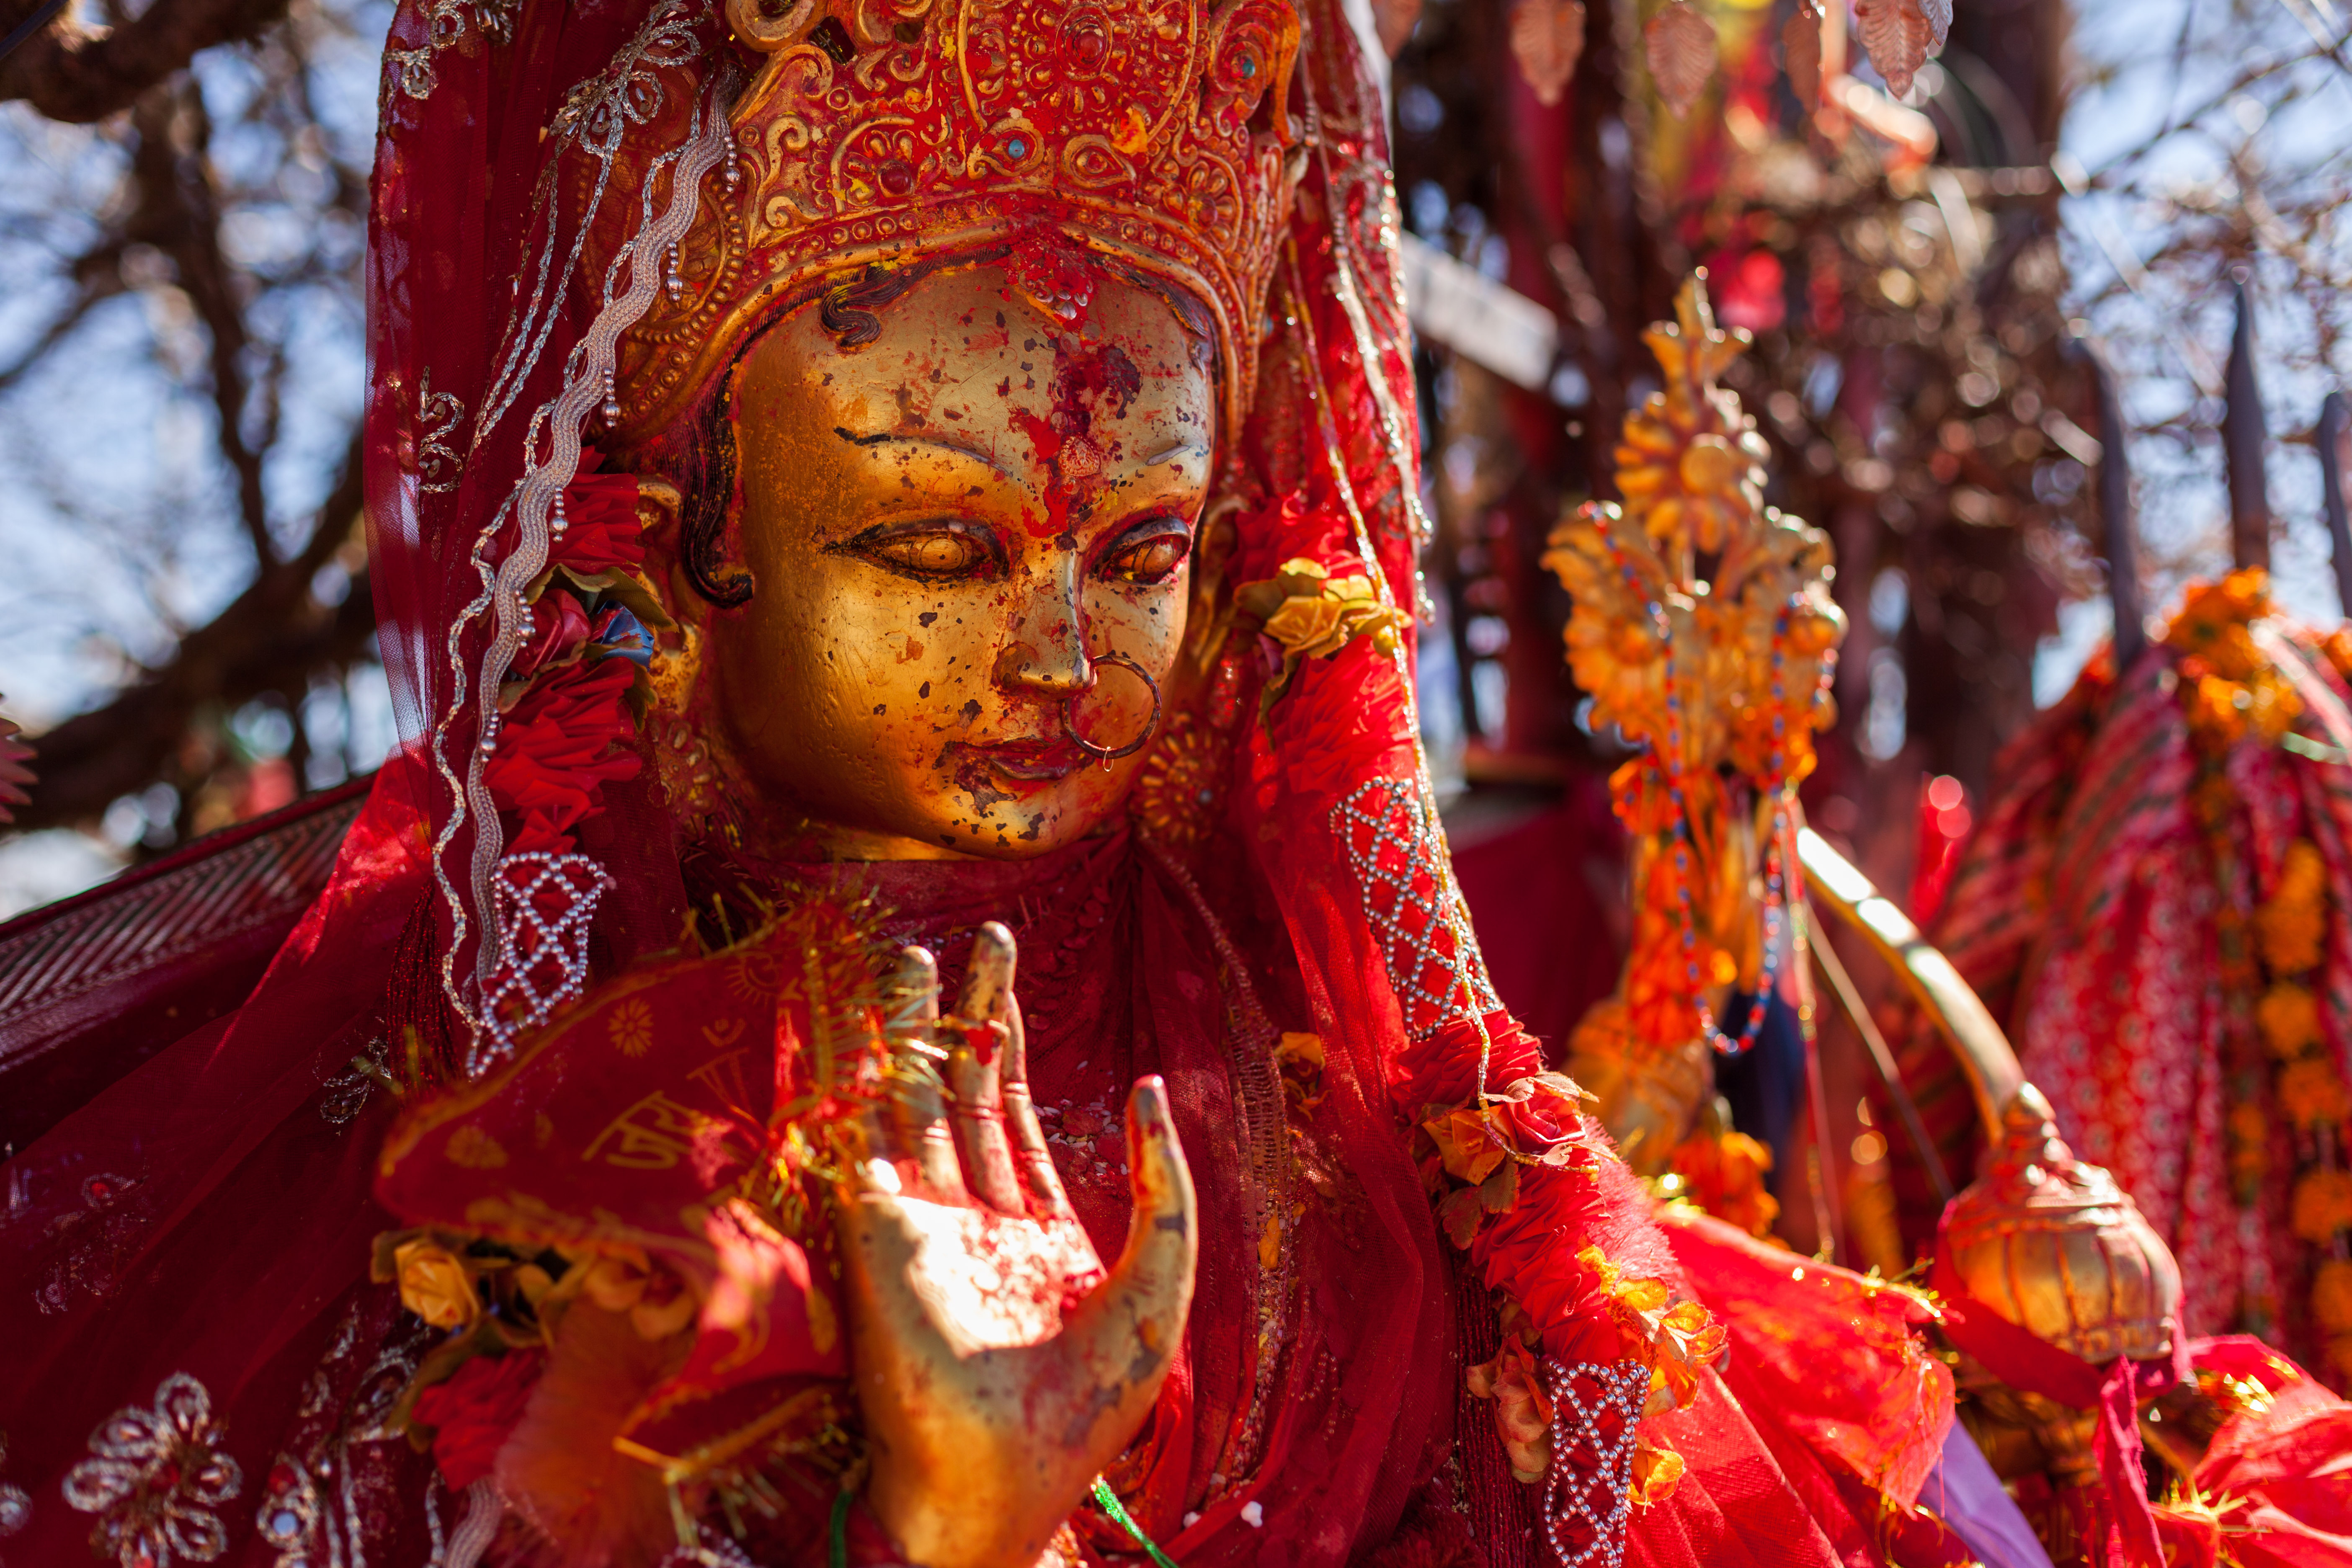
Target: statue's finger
(918, 1101)
(975, 1053)
(1047, 1198)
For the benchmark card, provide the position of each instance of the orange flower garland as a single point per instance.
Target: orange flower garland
(2232, 692)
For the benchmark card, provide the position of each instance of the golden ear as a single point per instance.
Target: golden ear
(661, 512)
(658, 503)
(769, 26)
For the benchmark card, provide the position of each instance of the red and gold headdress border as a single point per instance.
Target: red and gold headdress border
(1154, 133)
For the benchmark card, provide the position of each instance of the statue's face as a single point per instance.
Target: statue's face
(947, 529)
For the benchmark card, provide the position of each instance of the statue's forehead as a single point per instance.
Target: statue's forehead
(965, 355)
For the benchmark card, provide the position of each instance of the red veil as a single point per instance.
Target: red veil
(199, 1364)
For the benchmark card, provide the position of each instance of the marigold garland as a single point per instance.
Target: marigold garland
(1722, 1174)
(1518, 1180)
(2323, 1204)
(2232, 692)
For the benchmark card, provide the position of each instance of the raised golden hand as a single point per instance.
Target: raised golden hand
(998, 1365)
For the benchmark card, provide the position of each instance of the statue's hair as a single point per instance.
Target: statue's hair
(850, 310)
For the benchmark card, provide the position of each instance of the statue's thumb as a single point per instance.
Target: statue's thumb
(1163, 1237)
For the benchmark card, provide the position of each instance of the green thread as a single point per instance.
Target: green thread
(1111, 1506)
(839, 1554)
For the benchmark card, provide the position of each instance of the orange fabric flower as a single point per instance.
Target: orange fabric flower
(1467, 1143)
(1523, 1407)
(1676, 1338)
(1657, 1471)
(1310, 614)
(436, 1284)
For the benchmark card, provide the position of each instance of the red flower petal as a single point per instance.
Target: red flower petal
(474, 1410)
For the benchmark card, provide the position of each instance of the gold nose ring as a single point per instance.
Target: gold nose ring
(1106, 754)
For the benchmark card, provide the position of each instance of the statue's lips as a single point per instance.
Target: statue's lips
(1027, 761)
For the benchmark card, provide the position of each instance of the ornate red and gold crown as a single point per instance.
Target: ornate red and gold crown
(879, 133)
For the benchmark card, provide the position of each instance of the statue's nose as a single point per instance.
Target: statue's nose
(1054, 668)
(1046, 654)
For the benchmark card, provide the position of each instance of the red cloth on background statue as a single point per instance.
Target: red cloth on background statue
(201, 1367)
(2089, 911)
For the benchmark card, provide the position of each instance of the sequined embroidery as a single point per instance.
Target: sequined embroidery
(347, 1092)
(412, 71)
(439, 414)
(15, 1504)
(154, 1477)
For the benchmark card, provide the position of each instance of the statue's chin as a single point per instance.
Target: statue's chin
(784, 831)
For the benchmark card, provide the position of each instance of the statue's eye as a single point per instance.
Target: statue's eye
(1149, 560)
(930, 550)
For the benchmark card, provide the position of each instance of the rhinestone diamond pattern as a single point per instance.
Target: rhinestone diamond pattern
(1398, 860)
(1588, 1491)
(544, 904)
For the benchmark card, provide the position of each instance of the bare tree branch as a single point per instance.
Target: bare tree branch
(78, 74)
(177, 212)
(92, 293)
(271, 637)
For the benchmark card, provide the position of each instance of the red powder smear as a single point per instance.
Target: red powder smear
(1081, 376)
(1046, 441)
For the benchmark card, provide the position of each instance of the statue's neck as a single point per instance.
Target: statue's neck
(935, 902)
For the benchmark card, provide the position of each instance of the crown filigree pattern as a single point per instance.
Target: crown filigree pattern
(1154, 132)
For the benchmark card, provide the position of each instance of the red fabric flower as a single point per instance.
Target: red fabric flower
(558, 626)
(1532, 1253)
(473, 1412)
(558, 746)
(600, 515)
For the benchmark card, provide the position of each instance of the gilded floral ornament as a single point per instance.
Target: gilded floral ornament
(154, 1478)
(1648, 633)
(898, 129)
(1177, 790)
